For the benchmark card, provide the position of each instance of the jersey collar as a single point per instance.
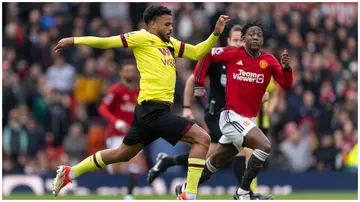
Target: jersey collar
(250, 54)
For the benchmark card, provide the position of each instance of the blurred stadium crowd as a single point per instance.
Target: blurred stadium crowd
(50, 100)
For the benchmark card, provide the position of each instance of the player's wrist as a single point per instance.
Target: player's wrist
(186, 106)
(216, 33)
(197, 84)
(286, 68)
(75, 40)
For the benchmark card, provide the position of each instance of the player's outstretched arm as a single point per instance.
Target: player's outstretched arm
(94, 42)
(128, 40)
(198, 51)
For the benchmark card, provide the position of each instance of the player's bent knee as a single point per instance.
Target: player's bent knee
(266, 146)
(205, 140)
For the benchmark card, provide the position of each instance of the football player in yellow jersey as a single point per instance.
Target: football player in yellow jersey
(155, 52)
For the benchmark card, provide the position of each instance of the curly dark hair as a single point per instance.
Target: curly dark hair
(155, 11)
(251, 24)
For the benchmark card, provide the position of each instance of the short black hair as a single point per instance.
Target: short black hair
(155, 11)
(251, 24)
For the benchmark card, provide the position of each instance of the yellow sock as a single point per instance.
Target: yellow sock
(91, 163)
(253, 185)
(196, 166)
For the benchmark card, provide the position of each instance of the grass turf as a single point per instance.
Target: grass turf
(309, 195)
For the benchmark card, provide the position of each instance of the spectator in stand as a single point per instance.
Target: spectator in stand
(15, 142)
(87, 87)
(17, 88)
(296, 148)
(9, 100)
(308, 112)
(58, 117)
(75, 144)
(40, 51)
(61, 76)
(82, 117)
(326, 155)
(29, 84)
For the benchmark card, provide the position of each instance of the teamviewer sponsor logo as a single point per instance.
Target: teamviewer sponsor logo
(248, 76)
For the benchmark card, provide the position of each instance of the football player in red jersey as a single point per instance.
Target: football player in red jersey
(118, 108)
(248, 74)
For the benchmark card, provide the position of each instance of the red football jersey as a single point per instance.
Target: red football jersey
(118, 104)
(247, 77)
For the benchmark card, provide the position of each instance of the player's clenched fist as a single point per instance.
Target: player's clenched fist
(200, 92)
(220, 24)
(64, 43)
(285, 60)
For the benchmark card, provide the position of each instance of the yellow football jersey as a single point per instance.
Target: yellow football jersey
(155, 59)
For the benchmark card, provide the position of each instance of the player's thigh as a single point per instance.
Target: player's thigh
(172, 128)
(265, 131)
(256, 139)
(138, 135)
(234, 128)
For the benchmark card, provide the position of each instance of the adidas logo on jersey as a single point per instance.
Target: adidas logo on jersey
(239, 63)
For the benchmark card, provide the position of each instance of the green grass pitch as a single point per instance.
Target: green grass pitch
(309, 195)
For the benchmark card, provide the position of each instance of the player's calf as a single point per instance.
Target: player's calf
(222, 155)
(257, 141)
(200, 141)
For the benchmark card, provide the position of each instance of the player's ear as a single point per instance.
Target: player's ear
(153, 24)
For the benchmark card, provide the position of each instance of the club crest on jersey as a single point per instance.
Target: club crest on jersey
(263, 64)
(246, 123)
(129, 33)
